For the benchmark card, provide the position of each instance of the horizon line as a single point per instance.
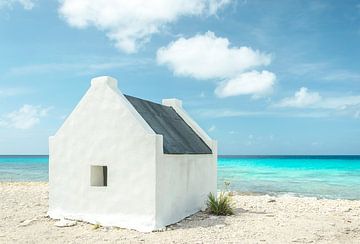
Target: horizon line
(220, 155)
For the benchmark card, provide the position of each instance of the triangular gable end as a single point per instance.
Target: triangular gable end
(108, 87)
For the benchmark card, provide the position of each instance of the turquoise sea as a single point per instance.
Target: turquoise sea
(318, 176)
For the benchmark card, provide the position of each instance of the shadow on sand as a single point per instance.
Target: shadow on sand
(204, 220)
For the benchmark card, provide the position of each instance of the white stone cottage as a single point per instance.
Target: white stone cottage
(123, 161)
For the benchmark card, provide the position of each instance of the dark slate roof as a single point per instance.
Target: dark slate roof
(178, 136)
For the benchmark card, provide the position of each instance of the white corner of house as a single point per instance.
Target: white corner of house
(172, 102)
(104, 80)
(214, 147)
(214, 142)
(159, 143)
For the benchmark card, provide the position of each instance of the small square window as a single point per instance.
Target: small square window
(98, 175)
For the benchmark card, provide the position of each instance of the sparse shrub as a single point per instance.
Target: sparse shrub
(226, 185)
(96, 226)
(221, 205)
(227, 188)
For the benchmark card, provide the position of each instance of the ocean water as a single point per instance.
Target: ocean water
(24, 168)
(317, 176)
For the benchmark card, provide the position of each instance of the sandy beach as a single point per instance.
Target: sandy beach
(258, 219)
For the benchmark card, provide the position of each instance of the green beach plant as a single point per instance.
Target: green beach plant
(226, 186)
(222, 204)
(96, 226)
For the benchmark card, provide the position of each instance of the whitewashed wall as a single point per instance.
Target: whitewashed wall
(183, 181)
(104, 129)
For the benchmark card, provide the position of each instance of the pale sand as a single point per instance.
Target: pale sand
(257, 220)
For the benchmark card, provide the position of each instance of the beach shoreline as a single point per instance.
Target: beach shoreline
(257, 219)
(233, 191)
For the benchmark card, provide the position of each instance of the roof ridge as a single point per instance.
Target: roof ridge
(145, 100)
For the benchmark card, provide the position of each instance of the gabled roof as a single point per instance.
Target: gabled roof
(178, 136)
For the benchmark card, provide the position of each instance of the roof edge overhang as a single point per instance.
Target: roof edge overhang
(176, 104)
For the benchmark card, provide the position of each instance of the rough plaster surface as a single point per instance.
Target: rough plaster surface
(146, 189)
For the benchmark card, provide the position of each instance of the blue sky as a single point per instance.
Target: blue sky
(262, 77)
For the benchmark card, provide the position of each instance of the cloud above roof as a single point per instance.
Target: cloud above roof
(24, 118)
(301, 98)
(313, 100)
(131, 23)
(208, 57)
(254, 83)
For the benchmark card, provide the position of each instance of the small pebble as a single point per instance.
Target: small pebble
(65, 223)
(219, 226)
(27, 222)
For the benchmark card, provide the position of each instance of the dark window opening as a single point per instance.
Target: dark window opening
(98, 175)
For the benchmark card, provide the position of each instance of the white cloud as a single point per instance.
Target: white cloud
(226, 113)
(230, 113)
(208, 57)
(14, 91)
(255, 83)
(301, 98)
(26, 4)
(324, 71)
(78, 67)
(212, 128)
(131, 23)
(215, 5)
(24, 118)
(341, 103)
(341, 75)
